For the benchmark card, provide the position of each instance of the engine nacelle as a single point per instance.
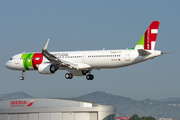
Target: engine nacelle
(46, 68)
(79, 72)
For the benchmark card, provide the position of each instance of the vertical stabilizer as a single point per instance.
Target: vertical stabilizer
(148, 40)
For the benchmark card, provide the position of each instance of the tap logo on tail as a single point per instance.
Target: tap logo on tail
(148, 40)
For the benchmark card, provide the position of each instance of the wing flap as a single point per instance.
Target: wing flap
(83, 66)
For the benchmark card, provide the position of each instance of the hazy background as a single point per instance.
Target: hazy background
(91, 25)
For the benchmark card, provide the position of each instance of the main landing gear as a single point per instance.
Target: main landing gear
(89, 77)
(68, 75)
(22, 73)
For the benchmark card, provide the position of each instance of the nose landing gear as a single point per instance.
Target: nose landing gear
(22, 73)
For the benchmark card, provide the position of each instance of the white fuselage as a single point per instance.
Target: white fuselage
(101, 59)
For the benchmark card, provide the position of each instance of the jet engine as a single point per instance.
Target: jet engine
(47, 68)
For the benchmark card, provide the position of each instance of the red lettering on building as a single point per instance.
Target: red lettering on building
(19, 103)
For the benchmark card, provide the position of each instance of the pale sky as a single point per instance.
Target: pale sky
(91, 25)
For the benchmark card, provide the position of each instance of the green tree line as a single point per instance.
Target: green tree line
(136, 117)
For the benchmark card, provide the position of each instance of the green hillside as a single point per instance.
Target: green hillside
(128, 107)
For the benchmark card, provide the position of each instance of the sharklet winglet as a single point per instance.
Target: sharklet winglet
(46, 45)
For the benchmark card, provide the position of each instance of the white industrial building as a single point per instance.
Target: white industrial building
(54, 109)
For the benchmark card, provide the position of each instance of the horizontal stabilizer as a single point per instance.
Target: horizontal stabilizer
(143, 52)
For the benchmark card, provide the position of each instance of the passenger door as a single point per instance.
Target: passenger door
(127, 55)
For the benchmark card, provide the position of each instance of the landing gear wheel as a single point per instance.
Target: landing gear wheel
(68, 75)
(21, 78)
(92, 77)
(89, 77)
(71, 76)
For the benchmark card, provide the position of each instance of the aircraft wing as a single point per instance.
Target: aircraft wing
(59, 62)
(143, 52)
(49, 56)
(74, 65)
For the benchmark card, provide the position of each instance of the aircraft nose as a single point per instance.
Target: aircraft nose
(8, 65)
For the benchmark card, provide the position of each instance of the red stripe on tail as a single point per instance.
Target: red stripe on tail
(151, 34)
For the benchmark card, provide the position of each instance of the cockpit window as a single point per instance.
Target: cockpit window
(10, 58)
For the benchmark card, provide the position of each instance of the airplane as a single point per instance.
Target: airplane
(81, 63)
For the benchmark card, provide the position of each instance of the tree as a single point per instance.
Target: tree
(150, 118)
(135, 117)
